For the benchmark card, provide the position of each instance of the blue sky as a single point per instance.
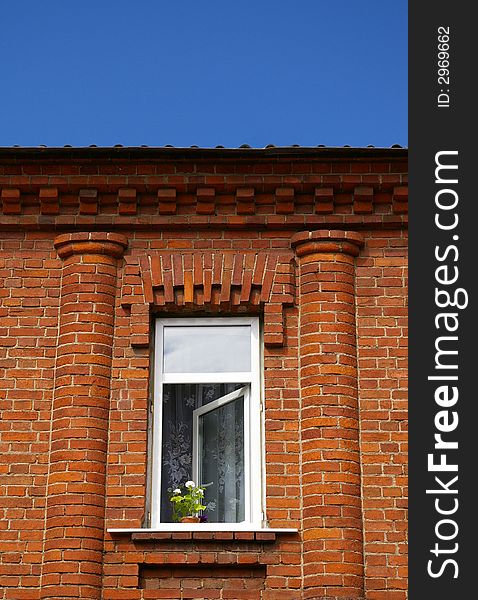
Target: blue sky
(207, 72)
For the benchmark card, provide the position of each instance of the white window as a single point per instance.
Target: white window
(207, 417)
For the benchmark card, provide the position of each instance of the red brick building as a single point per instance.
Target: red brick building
(234, 316)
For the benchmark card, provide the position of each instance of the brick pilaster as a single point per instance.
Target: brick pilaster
(72, 562)
(332, 519)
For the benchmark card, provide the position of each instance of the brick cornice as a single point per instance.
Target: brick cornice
(110, 244)
(75, 194)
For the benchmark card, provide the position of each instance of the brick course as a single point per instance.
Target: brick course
(315, 243)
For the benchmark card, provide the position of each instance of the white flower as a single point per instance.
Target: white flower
(190, 484)
(177, 491)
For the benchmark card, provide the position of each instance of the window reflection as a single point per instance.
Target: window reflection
(207, 349)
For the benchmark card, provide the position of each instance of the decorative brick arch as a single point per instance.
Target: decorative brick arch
(224, 281)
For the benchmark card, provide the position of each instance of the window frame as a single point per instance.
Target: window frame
(252, 416)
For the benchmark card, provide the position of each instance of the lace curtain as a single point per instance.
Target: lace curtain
(220, 447)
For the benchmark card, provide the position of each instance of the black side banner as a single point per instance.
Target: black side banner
(443, 291)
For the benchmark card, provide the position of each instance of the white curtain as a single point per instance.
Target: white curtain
(221, 448)
(222, 460)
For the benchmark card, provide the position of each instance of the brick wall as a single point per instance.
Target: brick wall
(315, 243)
(382, 355)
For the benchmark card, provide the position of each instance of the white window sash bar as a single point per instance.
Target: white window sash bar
(239, 377)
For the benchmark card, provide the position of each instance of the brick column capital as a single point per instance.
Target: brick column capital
(327, 241)
(93, 242)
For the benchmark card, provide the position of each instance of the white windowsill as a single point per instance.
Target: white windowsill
(204, 527)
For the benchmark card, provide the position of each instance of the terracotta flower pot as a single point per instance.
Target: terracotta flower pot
(190, 520)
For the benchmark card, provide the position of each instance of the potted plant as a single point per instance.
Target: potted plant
(188, 503)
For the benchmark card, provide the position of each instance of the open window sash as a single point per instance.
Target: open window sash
(221, 456)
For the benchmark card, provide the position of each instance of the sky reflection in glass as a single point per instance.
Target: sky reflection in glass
(212, 349)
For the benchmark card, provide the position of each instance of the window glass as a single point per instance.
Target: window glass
(212, 349)
(221, 461)
(179, 402)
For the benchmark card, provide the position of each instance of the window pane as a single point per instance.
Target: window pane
(179, 402)
(211, 349)
(222, 462)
